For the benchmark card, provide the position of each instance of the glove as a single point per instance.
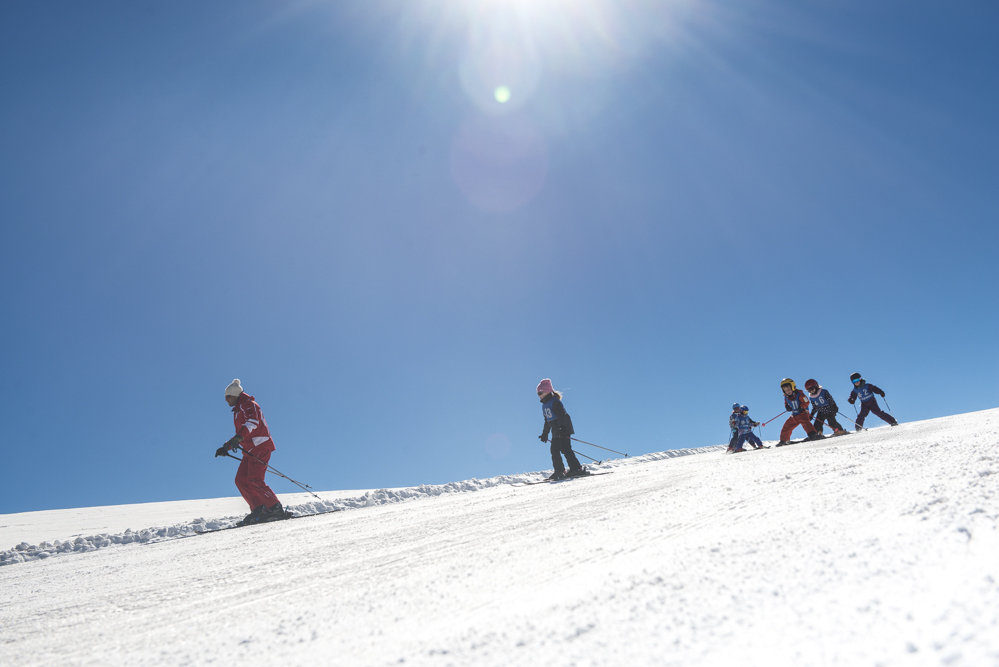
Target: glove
(233, 442)
(851, 400)
(543, 438)
(882, 394)
(221, 451)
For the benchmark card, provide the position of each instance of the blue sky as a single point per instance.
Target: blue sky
(677, 205)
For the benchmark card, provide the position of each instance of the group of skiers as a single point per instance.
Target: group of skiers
(822, 409)
(253, 437)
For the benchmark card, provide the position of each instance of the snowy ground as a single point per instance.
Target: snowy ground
(874, 549)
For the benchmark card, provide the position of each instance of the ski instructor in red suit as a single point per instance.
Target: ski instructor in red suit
(254, 438)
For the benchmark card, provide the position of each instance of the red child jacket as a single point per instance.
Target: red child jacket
(250, 424)
(797, 402)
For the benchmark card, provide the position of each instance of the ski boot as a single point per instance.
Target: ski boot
(783, 443)
(274, 513)
(814, 436)
(859, 428)
(253, 517)
(577, 472)
(555, 476)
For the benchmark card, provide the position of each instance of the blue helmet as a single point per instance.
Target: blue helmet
(744, 408)
(736, 407)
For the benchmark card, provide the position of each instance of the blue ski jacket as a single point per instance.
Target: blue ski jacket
(745, 424)
(865, 392)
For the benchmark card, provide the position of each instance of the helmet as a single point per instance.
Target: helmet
(736, 407)
(788, 381)
(811, 385)
(855, 377)
(744, 408)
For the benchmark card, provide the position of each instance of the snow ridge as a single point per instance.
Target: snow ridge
(27, 552)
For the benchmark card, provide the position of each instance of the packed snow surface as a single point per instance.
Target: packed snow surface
(878, 548)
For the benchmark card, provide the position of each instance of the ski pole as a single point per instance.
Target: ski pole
(304, 487)
(888, 406)
(599, 447)
(586, 457)
(770, 420)
(849, 420)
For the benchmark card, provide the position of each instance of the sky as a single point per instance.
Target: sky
(391, 220)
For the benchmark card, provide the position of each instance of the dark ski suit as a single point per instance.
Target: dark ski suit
(865, 392)
(733, 431)
(745, 426)
(825, 407)
(558, 423)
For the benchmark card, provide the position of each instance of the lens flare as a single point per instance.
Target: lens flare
(499, 162)
(499, 57)
(497, 446)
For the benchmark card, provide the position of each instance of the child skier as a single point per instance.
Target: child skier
(745, 426)
(559, 424)
(797, 403)
(254, 439)
(865, 392)
(733, 435)
(824, 406)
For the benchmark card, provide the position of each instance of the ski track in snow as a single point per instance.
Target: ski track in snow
(80, 544)
(880, 548)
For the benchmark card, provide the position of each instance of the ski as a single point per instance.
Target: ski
(798, 442)
(242, 525)
(564, 479)
(751, 449)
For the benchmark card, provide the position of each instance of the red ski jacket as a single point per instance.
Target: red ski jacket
(250, 424)
(797, 402)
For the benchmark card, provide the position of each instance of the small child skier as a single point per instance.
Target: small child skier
(733, 435)
(824, 406)
(797, 403)
(745, 426)
(559, 424)
(865, 392)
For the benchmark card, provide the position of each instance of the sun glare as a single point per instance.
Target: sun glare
(502, 94)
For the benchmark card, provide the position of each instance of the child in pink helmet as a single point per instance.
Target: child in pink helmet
(559, 424)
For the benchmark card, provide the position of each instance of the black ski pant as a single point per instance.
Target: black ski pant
(826, 416)
(563, 447)
(872, 406)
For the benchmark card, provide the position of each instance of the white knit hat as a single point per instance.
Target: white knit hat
(234, 389)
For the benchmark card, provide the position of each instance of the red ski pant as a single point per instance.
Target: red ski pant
(250, 479)
(793, 422)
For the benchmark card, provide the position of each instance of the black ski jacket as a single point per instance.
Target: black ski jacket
(831, 408)
(561, 427)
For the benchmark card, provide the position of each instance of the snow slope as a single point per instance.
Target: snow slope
(877, 548)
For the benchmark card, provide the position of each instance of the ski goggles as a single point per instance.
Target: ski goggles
(858, 381)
